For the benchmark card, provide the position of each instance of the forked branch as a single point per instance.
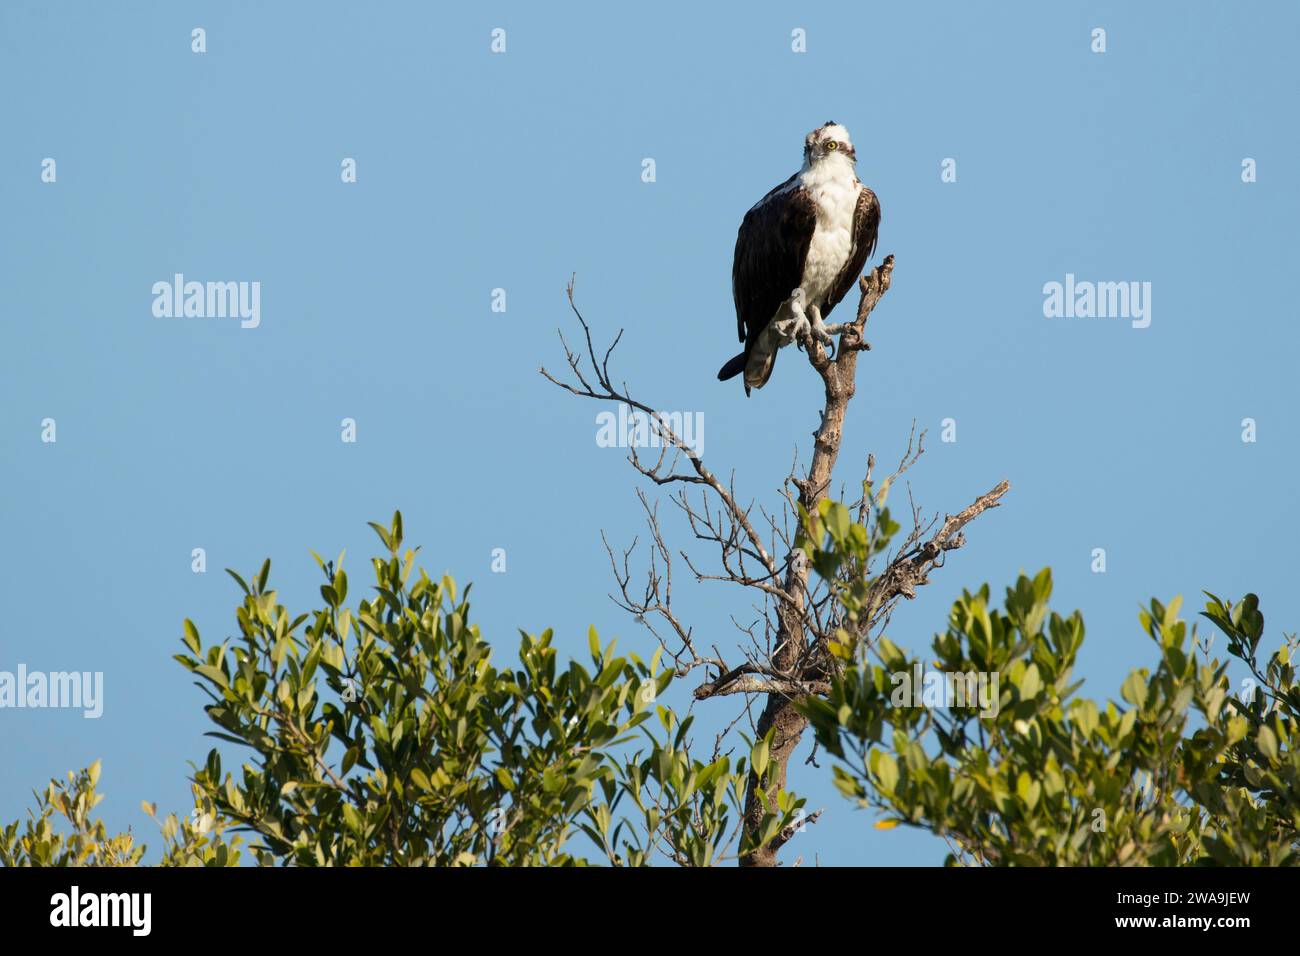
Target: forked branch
(789, 661)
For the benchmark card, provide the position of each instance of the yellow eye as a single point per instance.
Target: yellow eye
(832, 145)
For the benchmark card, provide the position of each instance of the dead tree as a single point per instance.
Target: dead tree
(789, 659)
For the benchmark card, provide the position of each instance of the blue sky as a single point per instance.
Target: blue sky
(479, 171)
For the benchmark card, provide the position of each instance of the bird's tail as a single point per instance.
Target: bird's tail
(734, 367)
(755, 376)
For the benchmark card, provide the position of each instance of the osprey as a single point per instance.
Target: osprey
(799, 251)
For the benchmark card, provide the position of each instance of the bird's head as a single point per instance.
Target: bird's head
(828, 143)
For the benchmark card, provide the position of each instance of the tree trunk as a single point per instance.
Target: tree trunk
(779, 712)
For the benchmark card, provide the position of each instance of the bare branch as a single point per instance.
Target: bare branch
(912, 569)
(790, 660)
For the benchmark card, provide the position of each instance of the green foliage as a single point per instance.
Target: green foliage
(384, 734)
(381, 732)
(1255, 794)
(71, 802)
(1184, 774)
(843, 551)
(688, 811)
(443, 759)
(39, 842)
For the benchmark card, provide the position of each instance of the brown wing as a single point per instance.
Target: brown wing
(866, 225)
(771, 247)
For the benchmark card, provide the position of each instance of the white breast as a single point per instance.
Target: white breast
(835, 189)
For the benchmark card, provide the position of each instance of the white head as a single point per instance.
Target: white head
(828, 143)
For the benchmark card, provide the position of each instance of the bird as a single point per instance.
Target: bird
(799, 250)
